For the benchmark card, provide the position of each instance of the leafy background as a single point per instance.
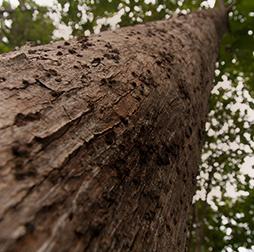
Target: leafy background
(222, 217)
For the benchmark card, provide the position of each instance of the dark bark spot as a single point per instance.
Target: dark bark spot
(112, 56)
(22, 174)
(150, 33)
(80, 231)
(161, 30)
(124, 120)
(108, 81)
(137, 97)
(165, 58)
(30, 227)
(31, 51)
(52, 72)
(153, 195)
(59, 53)
(122, 147)
(56, 93)
(26, 83)
(183, 90)
(91, 105)
(147, 79)
(173, 149)
(55, 177)
(96, 61)
(143, 155)
(163, 157)
(103, 81)
(168, 228)
(149, 216)
(110, 197)
(22, 120)
(20, 150)
(119, 163)
(86, 45)
(66, 43)
(2, 79)
(95, 229)
(178, 171)
(133, 84)
(108, 45)
(72, 51)
(201, 134)
(136, 181)
(121, 169)
(188, 132)
(143, 90)
(158, 62)
(134, 74)
(110, 137)
(115, 51)
(71, 215)
(84, 42)
(193, 180)
(82, 39)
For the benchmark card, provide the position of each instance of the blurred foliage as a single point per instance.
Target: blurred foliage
(221, 221)
(28, 22)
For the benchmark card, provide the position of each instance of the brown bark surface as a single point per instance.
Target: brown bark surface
(100, 137)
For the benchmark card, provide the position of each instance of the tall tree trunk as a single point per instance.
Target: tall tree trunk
(100, 137)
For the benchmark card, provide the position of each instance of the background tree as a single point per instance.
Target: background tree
(223, 222)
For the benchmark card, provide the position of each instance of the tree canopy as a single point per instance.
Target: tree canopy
(223, 211)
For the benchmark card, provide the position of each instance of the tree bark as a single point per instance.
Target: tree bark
(100, 137)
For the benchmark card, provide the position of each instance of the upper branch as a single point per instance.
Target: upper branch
(224, 7)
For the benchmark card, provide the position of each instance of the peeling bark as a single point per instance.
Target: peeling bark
(100, 137)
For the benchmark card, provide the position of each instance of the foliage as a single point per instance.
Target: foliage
(221, 220)
(28, 22)
(228, 228)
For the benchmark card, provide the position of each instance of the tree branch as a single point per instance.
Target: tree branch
(224, 7)
(229, 7)
(221, 4)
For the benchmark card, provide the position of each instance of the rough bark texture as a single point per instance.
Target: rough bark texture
(100, 137)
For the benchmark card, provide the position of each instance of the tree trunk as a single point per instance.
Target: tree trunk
(100, 137)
